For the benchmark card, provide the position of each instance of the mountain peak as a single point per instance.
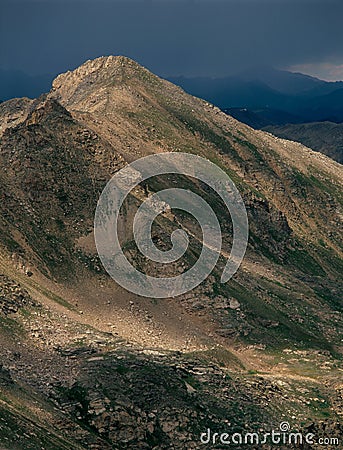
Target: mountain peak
(89, 84)
(97, 69)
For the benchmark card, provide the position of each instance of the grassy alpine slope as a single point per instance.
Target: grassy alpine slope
(80, 357)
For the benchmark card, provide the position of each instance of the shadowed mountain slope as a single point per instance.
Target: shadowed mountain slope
(325, 137)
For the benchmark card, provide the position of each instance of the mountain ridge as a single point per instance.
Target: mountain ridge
(271, 332)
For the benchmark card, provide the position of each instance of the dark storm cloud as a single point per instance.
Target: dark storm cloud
(171, 37)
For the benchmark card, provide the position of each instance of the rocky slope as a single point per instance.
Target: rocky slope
(325, 137)
(89, 365)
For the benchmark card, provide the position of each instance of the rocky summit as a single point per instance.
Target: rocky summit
(86, 364)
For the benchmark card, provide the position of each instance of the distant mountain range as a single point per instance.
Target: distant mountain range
(290, 105)
(276, 96)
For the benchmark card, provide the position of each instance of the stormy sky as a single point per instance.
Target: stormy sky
(174, 37)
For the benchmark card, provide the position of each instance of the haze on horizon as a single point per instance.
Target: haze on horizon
(174, 37)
